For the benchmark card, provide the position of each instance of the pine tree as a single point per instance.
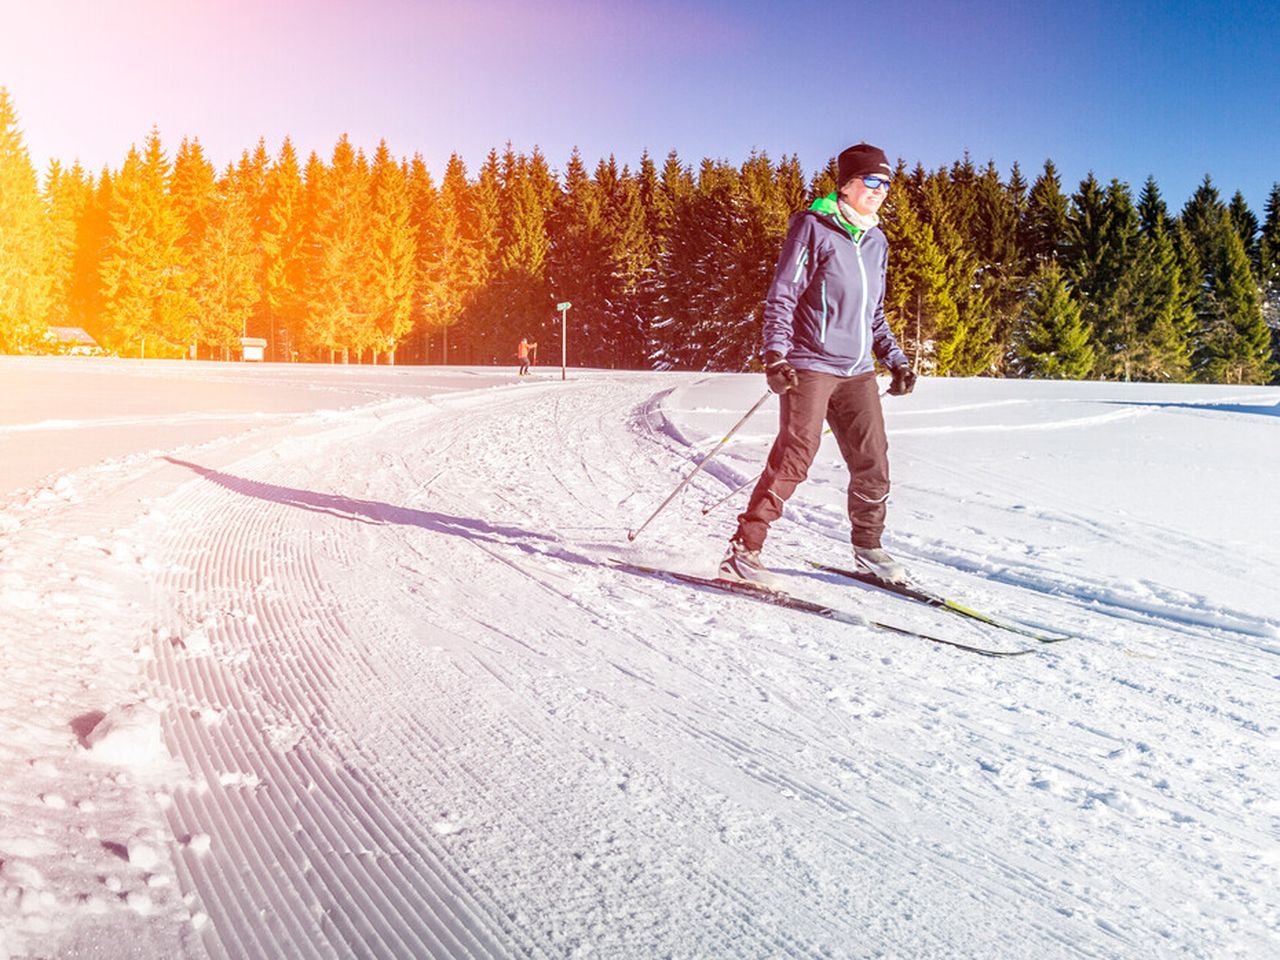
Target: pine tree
(1053, 341)
(1083, 246)
(314, 174)
(392, 255)
(225, 287)
(579, 269)
(825, 181)
(543, 181)
(486, 207)
(195, 197)
(1246, 226)
(193, 192)
(1044, 226)
(486, 318)
(1105, 284)
(962, 196)
(654, 226)
(676, 187)
(791, 186)
(963, 329)
(1233, 344)
(1153, 214)
(1202, 214)
(917, 292)
(433, 235)
(1269, 269)
(282, 268)
(1017, 188)
(462, 263)
(338, 319)
(67, 197)
(252, 178)
(26, 286)
(1161, 305)
(756, 229)
(667, 193)
(86, 308)
(146, 277)
(514, 301)
(631, 252)
(1234, 341)
(1001, 268)
(700, 326)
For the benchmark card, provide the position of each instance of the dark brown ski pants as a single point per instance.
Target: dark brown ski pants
(851, 405)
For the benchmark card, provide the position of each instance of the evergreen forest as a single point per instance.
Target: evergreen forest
(358, 258)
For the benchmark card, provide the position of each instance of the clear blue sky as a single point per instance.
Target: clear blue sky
(1126, 89)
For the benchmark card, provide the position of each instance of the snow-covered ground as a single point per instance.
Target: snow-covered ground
(323, 662)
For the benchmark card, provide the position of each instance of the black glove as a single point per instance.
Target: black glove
(904, 381)
(781, 374)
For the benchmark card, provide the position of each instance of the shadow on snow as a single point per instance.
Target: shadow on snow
(1256, 409)
(373, 511)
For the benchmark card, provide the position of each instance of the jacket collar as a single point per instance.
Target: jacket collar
(830, 206)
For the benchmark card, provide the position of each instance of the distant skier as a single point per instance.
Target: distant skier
(533, 353)
(522, 354)
(824, 328)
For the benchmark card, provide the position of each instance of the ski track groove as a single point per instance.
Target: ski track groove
(546, 733)
(235, 550)
(347, 863)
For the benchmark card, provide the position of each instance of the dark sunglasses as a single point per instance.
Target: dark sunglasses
(875, 183)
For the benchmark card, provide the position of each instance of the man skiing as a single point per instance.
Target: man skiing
(824, 328)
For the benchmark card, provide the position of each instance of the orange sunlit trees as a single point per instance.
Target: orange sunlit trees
(435, 234)
(91, 243)
(192, 190)
(460, 268)
(146, 282)
(664, 267)
(392, 254)
(25, 287)
(252, 182)
(337, 318)
(194, 199)
(484, 311)
(67, 197)
(283, 266)
(226, 288)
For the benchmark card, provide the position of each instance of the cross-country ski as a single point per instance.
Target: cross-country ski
(781, 598)
(910, 591)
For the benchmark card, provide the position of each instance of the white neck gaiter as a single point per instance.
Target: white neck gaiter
(861, 221)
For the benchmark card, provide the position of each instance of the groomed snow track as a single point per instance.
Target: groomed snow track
(414, 713)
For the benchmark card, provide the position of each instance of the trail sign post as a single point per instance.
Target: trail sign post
(564, 337)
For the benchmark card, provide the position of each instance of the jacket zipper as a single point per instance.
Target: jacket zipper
(862, 309)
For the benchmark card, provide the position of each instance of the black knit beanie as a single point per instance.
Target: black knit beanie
(861, 160)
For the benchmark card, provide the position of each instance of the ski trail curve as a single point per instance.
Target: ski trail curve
(423, 719)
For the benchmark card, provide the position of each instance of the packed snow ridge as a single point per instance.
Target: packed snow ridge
(330, 662)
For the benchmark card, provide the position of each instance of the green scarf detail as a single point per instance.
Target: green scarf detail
(830, 205)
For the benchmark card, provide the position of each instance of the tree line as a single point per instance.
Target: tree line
(367, 259)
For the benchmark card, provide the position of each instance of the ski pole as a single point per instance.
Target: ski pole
(745, 484)
(730, 496)
(632, 534)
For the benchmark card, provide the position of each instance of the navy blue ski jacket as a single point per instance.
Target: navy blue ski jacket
(825, 307)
